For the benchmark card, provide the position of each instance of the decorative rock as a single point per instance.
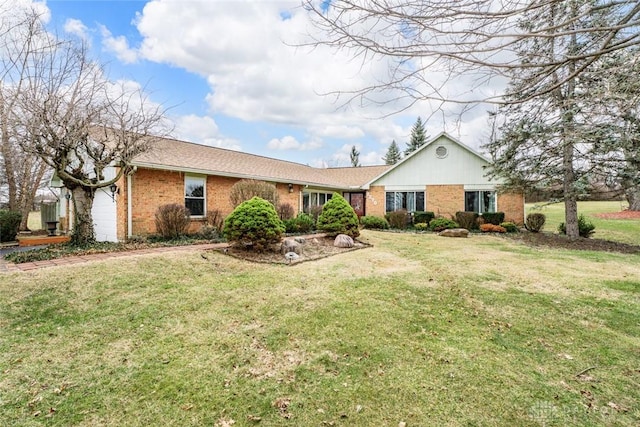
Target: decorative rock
(290, 245)
(343, 241)
(300, 240)
(454, 232)
(291, 256)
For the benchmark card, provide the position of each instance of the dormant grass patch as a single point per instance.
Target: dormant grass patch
(418, 329)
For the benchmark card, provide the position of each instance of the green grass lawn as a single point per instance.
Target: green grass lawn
(618, 230)
(419, 329)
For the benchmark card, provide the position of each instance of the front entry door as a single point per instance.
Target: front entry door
(357, 203)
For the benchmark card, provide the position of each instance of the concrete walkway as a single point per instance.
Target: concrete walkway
(6, 266)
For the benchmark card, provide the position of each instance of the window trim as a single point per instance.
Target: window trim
(203, 180)
(309, 194)
(481, 201)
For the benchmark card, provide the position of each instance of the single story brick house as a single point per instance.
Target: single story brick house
(443, 176)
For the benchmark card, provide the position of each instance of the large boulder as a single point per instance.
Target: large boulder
(454, 232)
(290, 245)
(343, 241)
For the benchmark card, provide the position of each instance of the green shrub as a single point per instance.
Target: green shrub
(9, 225)
(420, 217)
(398, 219)
(467, 220)
(421, 226)
(338, 217)
(303, 223)
(535, 222)
(246, 189)
(510, 227)
(585, 228)
(440, 224)
(494, 218)
(254, 223)
(374, 222)
(172, 220)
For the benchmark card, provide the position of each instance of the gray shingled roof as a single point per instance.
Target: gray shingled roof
(171, 154)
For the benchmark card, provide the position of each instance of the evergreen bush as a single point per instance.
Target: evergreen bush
(303, 223)
(585, 228)
(338, 217)
(440, 224)
(494, 218)
(9, 225)
(421, 217)
(172, 220)
(254, 223)
(510, 227)
(374, 222)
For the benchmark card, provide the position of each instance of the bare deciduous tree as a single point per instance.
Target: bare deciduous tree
(22, 173)
(542, 48)
(78, 122)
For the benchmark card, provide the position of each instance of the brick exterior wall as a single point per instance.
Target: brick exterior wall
(512, 204)
(153, 188)
(445, 200)
(374, 203)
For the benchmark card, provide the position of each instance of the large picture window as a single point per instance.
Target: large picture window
(194, 194)
(310, 199)
(480, 201)
(412, 201)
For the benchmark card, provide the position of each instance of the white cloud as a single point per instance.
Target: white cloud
(203, 130)
(118, 46)
(291, 143)
(77, 28)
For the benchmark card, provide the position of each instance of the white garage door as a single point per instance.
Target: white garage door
(104, 216)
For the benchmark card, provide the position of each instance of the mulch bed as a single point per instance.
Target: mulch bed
(560, 241)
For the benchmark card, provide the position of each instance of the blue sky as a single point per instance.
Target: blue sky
(230, 76)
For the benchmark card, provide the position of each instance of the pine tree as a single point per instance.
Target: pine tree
(393, 155)
(418, 137)
(355, 157)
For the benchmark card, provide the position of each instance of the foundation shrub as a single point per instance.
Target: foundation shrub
(421, 226)
(254, 224)
(510, 227)
(9, 225)
(398, 219)
(338, 217)
(439, 224)
(215, 219)
(585, 227)
(374, 222)
(467, 220)
(494, 218)
(172, 220)
(315, 212)
(422, 217)
(535, 222)
(303, 223)
(492, 228)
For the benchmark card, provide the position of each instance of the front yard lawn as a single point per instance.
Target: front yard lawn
(418, 329)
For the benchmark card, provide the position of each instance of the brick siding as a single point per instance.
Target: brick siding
(512, 204)
(445, 200)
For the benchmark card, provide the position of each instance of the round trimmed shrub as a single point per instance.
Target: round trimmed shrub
(535, 222)
(254, 223)
(338, 217)
(374, 222)
(9, 225)
(172, 220)
(440, 224)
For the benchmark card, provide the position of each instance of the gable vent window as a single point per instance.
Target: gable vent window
(441, 152)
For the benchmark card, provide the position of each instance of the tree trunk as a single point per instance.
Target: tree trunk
(570, 197)
(83, 232)
(633, 197)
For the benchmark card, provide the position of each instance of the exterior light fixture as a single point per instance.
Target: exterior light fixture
(114, 190)
(67, 195)
(290, 188)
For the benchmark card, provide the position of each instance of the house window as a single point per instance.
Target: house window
(194, 194)
(310, 199)
(480, 201)
(412, 201)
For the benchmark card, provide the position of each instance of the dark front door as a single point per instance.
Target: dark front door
(357, 203)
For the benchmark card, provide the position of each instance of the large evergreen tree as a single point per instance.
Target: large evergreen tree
(418, 137)
(393, 155)
(355, 157)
